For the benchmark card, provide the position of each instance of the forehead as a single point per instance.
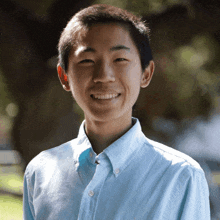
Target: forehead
(104, 36)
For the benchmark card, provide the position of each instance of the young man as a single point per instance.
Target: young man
(111, 170)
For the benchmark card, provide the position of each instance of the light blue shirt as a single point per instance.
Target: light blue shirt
(136, 178)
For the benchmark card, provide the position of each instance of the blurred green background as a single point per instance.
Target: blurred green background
(37, 114)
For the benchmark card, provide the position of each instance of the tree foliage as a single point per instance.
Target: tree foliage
(185, 40)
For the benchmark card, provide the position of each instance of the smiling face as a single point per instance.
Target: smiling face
(104, 73)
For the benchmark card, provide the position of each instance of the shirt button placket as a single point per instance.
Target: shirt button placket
(90, 200)
(117, 170)
(91, 193)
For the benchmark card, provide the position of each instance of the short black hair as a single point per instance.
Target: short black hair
(103, 14)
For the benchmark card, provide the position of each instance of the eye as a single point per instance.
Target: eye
(120, 59)
(86, 61)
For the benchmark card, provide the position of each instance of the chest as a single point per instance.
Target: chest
(99, 193)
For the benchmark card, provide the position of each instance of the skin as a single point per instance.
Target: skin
(105, 64)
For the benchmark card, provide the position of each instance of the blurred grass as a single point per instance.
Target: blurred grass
(10, 208)
(216, 177)
(11, 182)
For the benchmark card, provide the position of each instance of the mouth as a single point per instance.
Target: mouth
(105, 96)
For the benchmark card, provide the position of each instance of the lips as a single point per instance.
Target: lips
(105, 96)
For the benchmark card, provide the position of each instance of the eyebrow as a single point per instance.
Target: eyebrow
(115, 48)
(119, 47)
(88, 49)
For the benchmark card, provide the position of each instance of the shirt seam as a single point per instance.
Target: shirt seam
(185, 160)
(28, 192)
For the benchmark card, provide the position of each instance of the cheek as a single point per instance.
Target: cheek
(76, 79)
(133, 78)
(75, 86)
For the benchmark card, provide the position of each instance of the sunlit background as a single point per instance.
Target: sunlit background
(180, 108)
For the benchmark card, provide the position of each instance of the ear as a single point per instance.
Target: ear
(147, 74)
(63, 78)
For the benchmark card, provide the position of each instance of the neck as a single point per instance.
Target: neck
(102, 134)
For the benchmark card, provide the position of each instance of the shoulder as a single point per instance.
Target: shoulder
(53, 157)
(172, 155)
(174, 168)
(181, 178)
(170, 162)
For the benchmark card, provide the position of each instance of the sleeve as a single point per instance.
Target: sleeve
(27, 204)
(195, 204)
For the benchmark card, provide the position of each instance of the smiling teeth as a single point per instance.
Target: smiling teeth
(107, 96)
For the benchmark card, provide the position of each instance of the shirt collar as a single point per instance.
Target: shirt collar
(122, 150)
(82, 147)
(119, 152)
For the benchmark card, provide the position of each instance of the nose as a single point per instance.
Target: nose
(103, 73)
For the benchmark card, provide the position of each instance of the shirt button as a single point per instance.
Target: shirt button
(90, 154)
(91, 193)
(117, 171)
